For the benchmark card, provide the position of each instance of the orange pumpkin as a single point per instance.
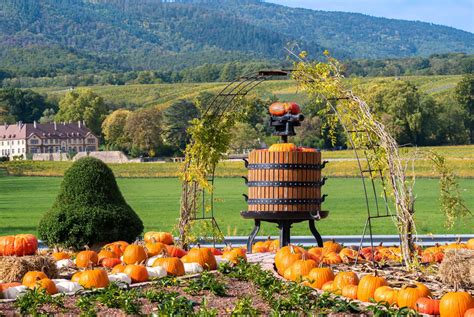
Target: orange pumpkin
(407, 296)
(203, 256)
(328, 287)
(274, 245)
(386, 294)
(367, 286)
(45, 284)
(292, 108)
(156, 248)
(173, 266)
(235, 255)
(117, 247)
(426, 305)
(299, 269)
(283, 147)
(432, 257)
(175, 252)
(348, 255)
(87, 258)
(307, 149)
(469, 312)
(105, 254)
(422, 289)
(349, 291)
(470, 244)
(277, 109)
(31, 277)
(137, 273)
(19, 245)
(57, 256)
(76, 277)
(93, 279)
(286, 256)
(331, 258)
(455, 304)
(332, 245)
(319, 276)
(110, 262)
(5, 286)
(163, 237)
(345, 278)
(134, 254)
(119, 268)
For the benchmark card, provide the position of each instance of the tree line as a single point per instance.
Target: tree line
(413, 118)
(437, 64)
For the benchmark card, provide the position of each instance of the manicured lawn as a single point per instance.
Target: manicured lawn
(24, 199)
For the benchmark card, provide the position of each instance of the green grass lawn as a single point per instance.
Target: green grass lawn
(24, 199)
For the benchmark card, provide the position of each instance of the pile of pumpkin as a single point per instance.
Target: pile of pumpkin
(124, 263)
(296, 264)
(334, 253)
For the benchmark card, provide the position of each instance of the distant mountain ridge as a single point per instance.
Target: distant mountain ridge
(70, 35)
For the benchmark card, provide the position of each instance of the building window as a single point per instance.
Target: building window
(46, 141)
(34, 141)
(91, 141)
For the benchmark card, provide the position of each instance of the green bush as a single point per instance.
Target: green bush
(89, 209)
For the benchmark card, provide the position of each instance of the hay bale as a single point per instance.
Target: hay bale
(457, 268)
(13, 268)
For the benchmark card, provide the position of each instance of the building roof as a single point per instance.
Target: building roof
(44, 131)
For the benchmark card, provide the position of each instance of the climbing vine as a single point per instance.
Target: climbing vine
(210, 137)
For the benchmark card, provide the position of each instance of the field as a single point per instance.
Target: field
(24, 199)
(164, 94)
(342, 164)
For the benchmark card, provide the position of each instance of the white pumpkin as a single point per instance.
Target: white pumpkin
(64, 263)
(156, 272)
(120, 278)
(151, 260)
(14, 292)
(192, 268)
(65, 286)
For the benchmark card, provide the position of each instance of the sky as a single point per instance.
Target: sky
(454, 13)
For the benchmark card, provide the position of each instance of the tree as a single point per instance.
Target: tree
(465, 97)
(22, 105)
(89, 209)
(113, 128)
(83, 104)
(244, 137)
(409, 115)
(143, 131)
(48, 116)
(176, 122)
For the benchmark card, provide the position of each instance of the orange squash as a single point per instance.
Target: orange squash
(331, 258)
(345, 278)
(175, 252)
(203, 256)
(287, 256)
(173, 266)
(299, 269)
(104, 254)
(19, 245)
(137, 273)
(470, 244)
(455, 304)
(117, 247)
(76, 277)
(31, 277)
(386, 294)
(5, 286)
(367, 286)
(96, 278)
(469, 312)
(134, 254)
(235, 255)
(332, 245)
(57, 256)
(156, 248)
(349, 291)
(319, 276)
(119, 268)
(328, 286)
(86, 259)
(110, 262)
(45, 284)
(427, 306)
(155, 236)
(283, 147)
(348, 255)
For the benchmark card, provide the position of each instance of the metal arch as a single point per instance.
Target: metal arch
(218, 106)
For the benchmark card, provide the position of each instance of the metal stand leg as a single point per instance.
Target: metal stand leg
(315, 233)
(252, 236)
(284, 233)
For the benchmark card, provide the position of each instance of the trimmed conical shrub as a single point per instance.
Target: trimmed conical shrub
(89, 209)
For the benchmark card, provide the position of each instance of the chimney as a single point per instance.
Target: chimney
(79, 124)
(34, 124)
(83, 122)
(55, 127)
(20, 124)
